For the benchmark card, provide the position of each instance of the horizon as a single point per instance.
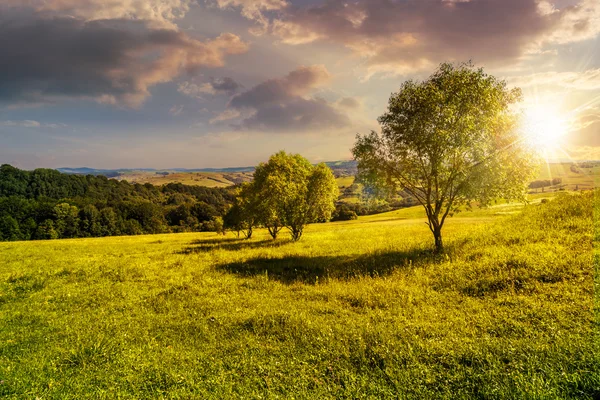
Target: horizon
(140, 168)
(215, 83)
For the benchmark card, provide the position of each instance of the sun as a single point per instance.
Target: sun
(544, 127)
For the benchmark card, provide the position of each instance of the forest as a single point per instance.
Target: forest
(47, 204)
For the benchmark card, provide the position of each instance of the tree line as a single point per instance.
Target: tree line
(47, 204)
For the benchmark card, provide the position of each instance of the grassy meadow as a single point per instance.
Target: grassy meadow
(358, 309)
(207, 179)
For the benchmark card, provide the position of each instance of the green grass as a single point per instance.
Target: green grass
(357, 309)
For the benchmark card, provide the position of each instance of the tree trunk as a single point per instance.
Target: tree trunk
(274, 231)
(437, 235)
(296, 232)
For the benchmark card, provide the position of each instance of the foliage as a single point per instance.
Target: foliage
(545, 182)
(46, 204)
(448, 141)
(243, 216)
(348, 312)
(343, 213)
(291, 192)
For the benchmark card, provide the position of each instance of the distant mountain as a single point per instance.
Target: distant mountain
(340, 168)
(111, 173)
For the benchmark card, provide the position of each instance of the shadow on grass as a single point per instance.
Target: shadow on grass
(200, 246)
(309, 270)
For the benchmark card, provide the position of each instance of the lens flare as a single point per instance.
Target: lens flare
(544, 128)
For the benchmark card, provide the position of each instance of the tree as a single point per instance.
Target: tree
(108, 221)
(46, 230)
(449, 140)
(67, 220)
(89, 218)
(242, 216)
(292, 193)
(9, 229)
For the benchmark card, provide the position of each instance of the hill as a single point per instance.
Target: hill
(208, 177)
(357, 309)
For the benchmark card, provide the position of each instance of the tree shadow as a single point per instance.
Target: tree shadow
(309, 270)
(201, 246)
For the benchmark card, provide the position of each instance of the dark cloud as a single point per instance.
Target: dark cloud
(225, 85)
(283, 104)
(397, 35)
(114, 61)
(297, 83)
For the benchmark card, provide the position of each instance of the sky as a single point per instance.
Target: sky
(224, 83)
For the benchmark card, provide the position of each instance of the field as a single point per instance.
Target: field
(572, 178)
(358, 309)
(208, 179)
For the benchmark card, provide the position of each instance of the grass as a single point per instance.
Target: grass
(207, 179)
(357, 309)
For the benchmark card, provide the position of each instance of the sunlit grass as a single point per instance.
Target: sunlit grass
(355, 309)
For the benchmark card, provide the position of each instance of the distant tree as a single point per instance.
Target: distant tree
(67, 220)
(215, 225)
(293, 193)
(449, 140)
(233, 219)
(89, 218)
(243, 215)
(46, 230)
(9, 229)
(343, 213)
(109, 221)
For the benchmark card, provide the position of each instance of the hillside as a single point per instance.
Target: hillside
(356, 309)
(570, 176)
(208, 177)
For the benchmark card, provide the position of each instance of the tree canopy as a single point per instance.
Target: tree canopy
(287, 191)
(449, 140)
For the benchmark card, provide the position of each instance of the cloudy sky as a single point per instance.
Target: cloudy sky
(217, 83)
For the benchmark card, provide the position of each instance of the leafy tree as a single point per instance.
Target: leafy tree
(242, 216)
(233, 219)
(9, 229)
(449, 140)
(46, 230)
(269, 190)
(89, 218)
(108, 221)
(67, 220)
(292, 193)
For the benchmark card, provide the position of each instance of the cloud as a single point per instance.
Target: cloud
(586, 131)
(176, 110)
(253, 10)
(112, 61)
(350, 103)
(403, 36)
(586, 80)
(284, 104)
(161, 13)
(215, 86)
(28, 123)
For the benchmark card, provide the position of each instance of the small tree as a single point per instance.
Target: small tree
(447, 141)
(242, 216)
(269, 191)
(293, 193)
